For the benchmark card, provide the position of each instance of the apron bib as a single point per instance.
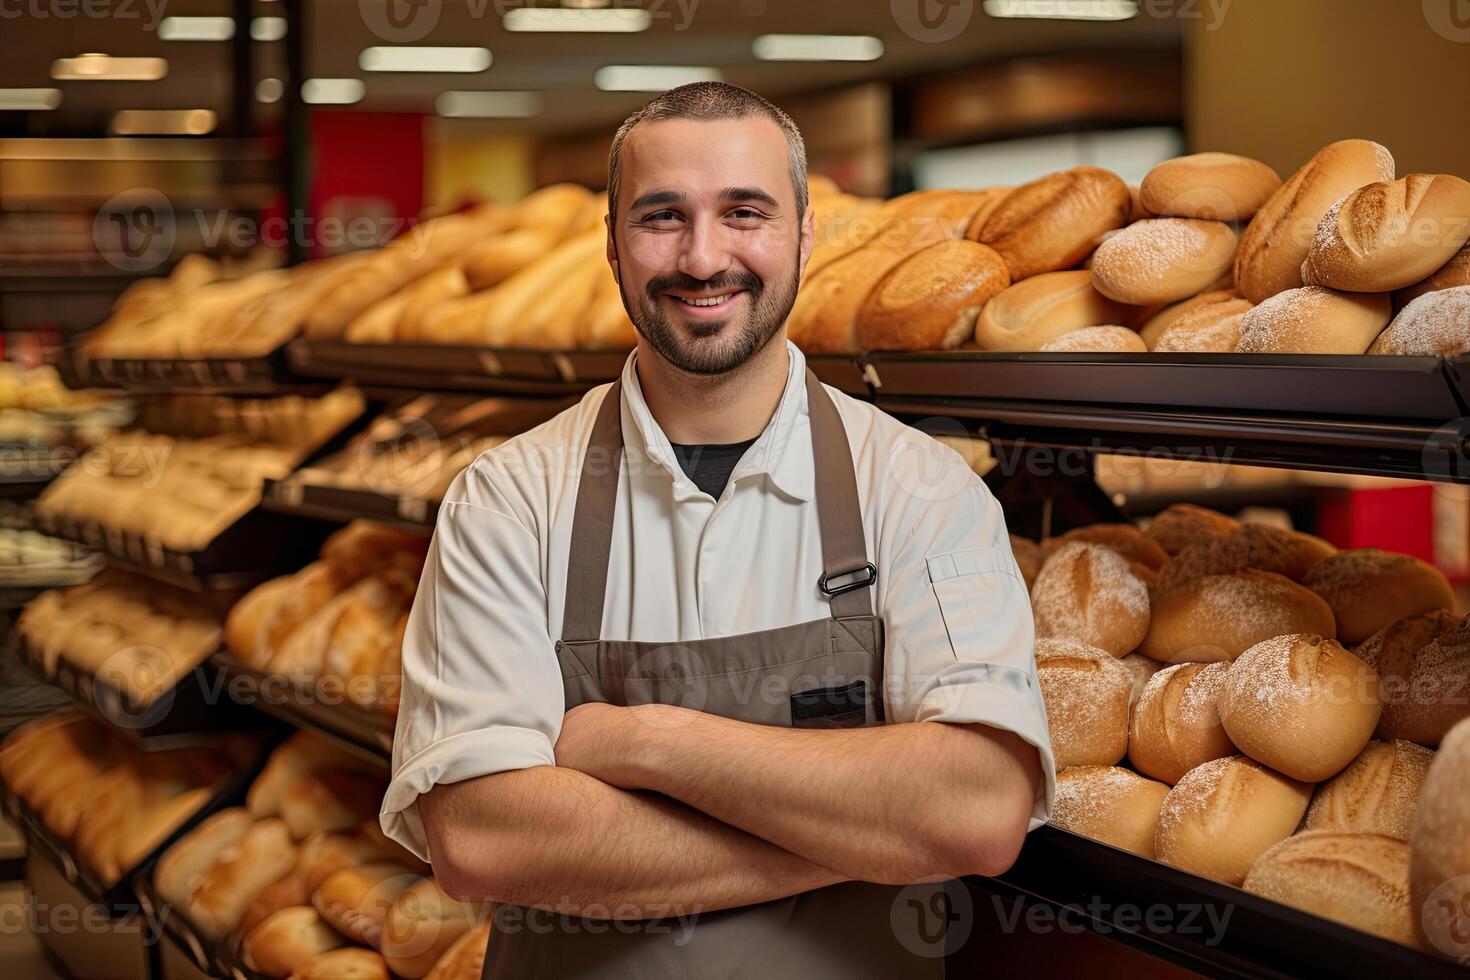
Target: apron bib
(825, 673)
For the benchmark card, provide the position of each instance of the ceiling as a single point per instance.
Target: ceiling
(560, 66)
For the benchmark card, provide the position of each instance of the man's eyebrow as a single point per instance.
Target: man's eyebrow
(657, 197)
(748, 194)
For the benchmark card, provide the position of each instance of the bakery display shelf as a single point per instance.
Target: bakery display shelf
(1198, 923)
(447, 367)
(365, 733)
(260, 376)
(295, 495)
(173, 925)
(846, 373)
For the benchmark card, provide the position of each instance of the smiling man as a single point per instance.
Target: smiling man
(720, 672)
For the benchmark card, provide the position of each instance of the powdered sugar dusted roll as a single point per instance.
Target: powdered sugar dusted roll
(1111, 805)
(1088, 593)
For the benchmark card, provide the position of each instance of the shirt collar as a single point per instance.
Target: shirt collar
(782, 452)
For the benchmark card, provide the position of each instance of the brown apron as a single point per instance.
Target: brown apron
(826, 673)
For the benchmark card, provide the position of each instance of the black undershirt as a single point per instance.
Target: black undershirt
(710, 465)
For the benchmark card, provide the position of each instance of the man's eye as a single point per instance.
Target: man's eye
(662, 216)
(746, 214)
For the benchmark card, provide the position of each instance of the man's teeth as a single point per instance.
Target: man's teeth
(705, 301)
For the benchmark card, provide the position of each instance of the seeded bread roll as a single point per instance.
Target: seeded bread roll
(1210, 329)
(1259, 546)
(1219, 617)
(1111, 805)
(1053, 223)
(1180, 525)
(1099, 340)
(1028, 314)
(1223, 815)
(1360, 880)
(1390, 234)
(930, 300)
(1433, 325)
(1276, 242)
(1087, 593)
(1212, 186)
(1314, 320)
(1378, 793)
(1455, 272)
(1423, 664)
(1301, 704)
(1028, 558)
(1162, 260)
(1176, 723)
(1369, 589)
(1439, 863)
(1086, 694)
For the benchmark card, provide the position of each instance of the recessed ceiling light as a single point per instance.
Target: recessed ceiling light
(267, 28)
(585, 4)
(269, 90)
(650, 78)
(94, 67)
(424, 59)
(817, 47)
(1063, 9)
(29, 99)
(488, 105)
(623, 20)
(163, 122)
(196, 29)
(332, 91)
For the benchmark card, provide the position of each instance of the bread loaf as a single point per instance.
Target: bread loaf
(824, 318)
(1032, 312)
(287, 891)
(1111, 805)
(183, 864)
(1314, 320)
(1276, 242)
(1433, 325)
(1180, 525)
(1176, 723)
(356, 901)
(422, 924)
(1101, 340)
(1378, 793)
(1300, 704)
(1390, 234)
(1126, 539)
(287, 940)
(1087, 593)
(1211, 186)
(1219, 617)
(343, 964)
(262, 854)
(1053, 223)
(1455, 272)
(1360, 880)
(1162, 260)
(1259, 546)
(930, 300)
(1086, 693)
(1439, 862)
(1223, 815)
(1212, 328)
(330, 799)
(1369, 589)
(1423, 665)
(496, 259)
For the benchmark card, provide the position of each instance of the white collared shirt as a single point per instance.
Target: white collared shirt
(482, 689)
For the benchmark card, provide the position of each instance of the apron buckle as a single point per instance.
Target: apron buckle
(868, 571)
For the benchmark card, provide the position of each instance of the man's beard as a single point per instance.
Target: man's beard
(704, 353)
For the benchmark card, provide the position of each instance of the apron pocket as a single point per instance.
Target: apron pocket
(831, 707)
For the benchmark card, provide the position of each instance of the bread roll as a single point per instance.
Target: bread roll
(1212, 328)
(919, 219)
(1423, 664)
(552, 208)
(1211, 186)
(1276, 242)
(1102, 340)
(1369, 589)
(1162, 260)
(1126, 539)
(930, 300)
(992, 200)
(1378, 793)
(1439, 862)
(1087, 593)
(356, 901)
(1086, 692)
(343, 964)
(1360, 880)
(287, 940)
(1390, 234)
(1223, 815)
(1434, 325)
(1314, 320)
(495, 260)
(1028, 558)
(422, 924)
(1300, 704)
(824, 318)
(1053, 223)
(1155, 325)
(465, 959)
(264, 853)
(183, 864)
(1176, 723)
(1455, 272)
(287, 891)
(1259, 546)
(1142, 670)
(1219, 617)
(330, 799)
(606, 325)
(1028, 314)
(1111, 805)
(1180, 525)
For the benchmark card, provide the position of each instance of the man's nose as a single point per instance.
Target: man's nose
(705, 253)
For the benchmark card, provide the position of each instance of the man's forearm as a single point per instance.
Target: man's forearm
(558, 839)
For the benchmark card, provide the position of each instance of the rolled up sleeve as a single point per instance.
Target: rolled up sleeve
(482, 691)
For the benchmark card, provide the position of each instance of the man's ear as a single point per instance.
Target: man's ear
(808, 237)
(612, 249)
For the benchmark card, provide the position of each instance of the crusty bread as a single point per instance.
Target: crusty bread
(183, 864)
(1055, 222)
(1099, 340)
(1088, 593)
(1029, 313)
(1314, 320)
(330, 799)
(1439, 862)
(1176, 722)
(1212, 328)
(1162, 260)
(1156, 325)
(1378, 793)
(1370, 589)
(1433, 325)
(287, 891)
(1260, 546)
(288, 939)
(1142, 670)
(1212, 186)
(825, 315)
(496, 259)
(1218, 617)
(1455, 272)
(422, 924)
(261, 855)
(1423, 664)
(1180, 525)
(1127, 540)
(1086, 692)
(930, 300)
(1111, 805)
(356, 901)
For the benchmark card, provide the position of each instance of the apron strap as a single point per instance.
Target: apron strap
(592, 522)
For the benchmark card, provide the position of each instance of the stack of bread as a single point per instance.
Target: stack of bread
(109, 804)
(1248, 704)
(300, 881)
(336, 626)
(183, 492)
(136, 635)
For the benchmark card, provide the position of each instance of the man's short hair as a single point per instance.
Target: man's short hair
(708, 101)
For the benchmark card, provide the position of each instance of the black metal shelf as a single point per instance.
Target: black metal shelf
(294, 496)
(265, 376)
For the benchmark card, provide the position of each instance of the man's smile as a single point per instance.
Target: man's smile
(705, 305)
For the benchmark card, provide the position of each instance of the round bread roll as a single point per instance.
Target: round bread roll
(1028, 558)
(1423, 665)
(287, 940)
(1176, 724)
(465, 959)
(1162, 260)
(1390, 234)
(1301, 704)
(1087, 593)
(1101, 340)
(1212, 186)
(1180, 525)
(1086, 695)
(1142, 670)
(1439, 862)
(1455, 272)
(1360, 880)
(422, 924)
(930, 300)
(1223, 815)
(261, 855)
(356, 900)
(1028, 314)
(1126, 539)
(1053, 223)
(1155, 325)
(183, 864)
(1434, 325)
(1111, 805)
(1219, 617)
(343, 964)
(1378, 793)
(1369, 589)
(1275, 243)
(1212, 328)
(287, 891)
(1259, 546)
(1136, 210)
(1314, 320)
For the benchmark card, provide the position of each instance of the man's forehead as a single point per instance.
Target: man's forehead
(706, 153)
